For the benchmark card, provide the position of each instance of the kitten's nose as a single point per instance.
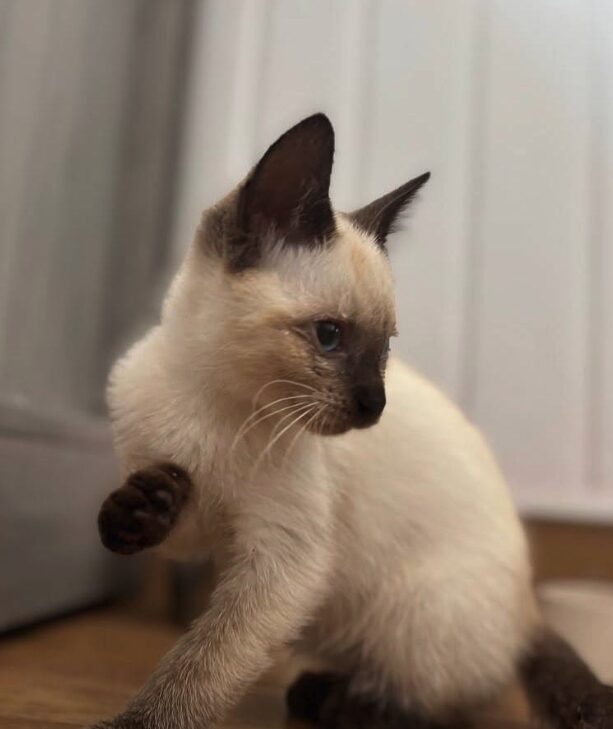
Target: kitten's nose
(369, 403)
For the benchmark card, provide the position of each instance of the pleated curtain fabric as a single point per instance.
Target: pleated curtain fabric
(90, 103)
(91, 99)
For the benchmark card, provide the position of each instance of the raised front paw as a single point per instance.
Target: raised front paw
(142, 512)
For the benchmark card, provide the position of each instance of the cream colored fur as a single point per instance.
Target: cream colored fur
(394, 553)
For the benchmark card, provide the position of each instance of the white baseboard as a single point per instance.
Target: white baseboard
(590, 506)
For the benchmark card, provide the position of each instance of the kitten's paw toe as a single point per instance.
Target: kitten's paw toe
(143, 511)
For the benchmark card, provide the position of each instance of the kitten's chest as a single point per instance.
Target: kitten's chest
(203, 528)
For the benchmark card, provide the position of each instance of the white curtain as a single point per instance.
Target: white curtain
(90, 94)
(90, 102)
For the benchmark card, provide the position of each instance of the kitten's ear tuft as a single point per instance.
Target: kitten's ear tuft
(379, 217)
(288, 190)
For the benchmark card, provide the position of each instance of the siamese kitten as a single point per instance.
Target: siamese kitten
(351, 508)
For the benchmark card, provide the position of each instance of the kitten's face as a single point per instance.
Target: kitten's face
(309, 335)
(300, 305)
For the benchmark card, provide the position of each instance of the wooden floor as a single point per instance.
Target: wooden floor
(73, 671)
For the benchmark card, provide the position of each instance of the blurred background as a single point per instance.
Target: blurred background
(120, 120)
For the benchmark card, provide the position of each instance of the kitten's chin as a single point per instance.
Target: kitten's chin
(340, 426)
(332, 427)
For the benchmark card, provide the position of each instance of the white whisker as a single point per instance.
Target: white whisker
(287, 382)
(301, 431)
(282, 420)
(324, 422)
(280, 434)
(247, 425)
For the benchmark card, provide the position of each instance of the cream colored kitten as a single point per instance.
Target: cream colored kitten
(242, 422)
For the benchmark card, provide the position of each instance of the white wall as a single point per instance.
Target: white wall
(506, 271)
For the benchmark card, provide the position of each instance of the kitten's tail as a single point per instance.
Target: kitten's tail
(562, 689)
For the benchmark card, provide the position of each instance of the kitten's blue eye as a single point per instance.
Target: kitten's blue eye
(328, 335)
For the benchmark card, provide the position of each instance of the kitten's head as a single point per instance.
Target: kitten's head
(290, 303)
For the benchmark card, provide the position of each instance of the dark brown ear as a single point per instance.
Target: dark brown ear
(379, 217)
(287, 193)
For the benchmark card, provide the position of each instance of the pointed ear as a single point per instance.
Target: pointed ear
(379, 217)
(287, 193)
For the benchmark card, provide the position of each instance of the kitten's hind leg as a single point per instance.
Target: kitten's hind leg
(326, 700)
(142, 512)
(562, 689)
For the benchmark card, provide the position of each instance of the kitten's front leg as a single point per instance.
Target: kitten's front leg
(275, 581)
(142, 512)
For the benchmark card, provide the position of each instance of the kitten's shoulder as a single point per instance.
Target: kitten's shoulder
(137, 371)
(142, 403)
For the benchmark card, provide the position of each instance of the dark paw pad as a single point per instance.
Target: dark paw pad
(143, 511)
(307, 695)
